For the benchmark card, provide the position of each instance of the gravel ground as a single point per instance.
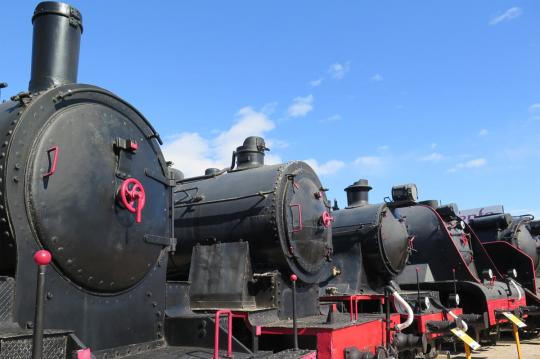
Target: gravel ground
(505, 349)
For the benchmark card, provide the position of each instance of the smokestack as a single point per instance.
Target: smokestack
(251, 153)
(55, 45)
(358, 193)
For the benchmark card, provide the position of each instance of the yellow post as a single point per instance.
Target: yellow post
(467, 351)
(516, 337)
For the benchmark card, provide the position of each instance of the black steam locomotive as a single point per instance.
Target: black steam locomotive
(244, 232)
(371, 247)
(502, 234)
(82, 176)
(452, 260)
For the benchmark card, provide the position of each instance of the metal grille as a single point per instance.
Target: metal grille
(7, 286)
(54, 347)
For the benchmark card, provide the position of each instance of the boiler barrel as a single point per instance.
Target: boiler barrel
(280, 210)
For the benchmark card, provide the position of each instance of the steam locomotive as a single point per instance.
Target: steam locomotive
(245, 232)
(502, 234)
(371, 247)
(511, 243)
(467, 275)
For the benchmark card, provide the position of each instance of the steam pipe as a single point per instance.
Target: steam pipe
(410, 313)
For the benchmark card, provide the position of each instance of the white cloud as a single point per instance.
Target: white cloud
(483, 132)
(510, 14)
(316, 83)
(383, 148)
(368, 161)
(474, 163)
(534, 111)
(377, 78)
(478, 162)
(332, 118)
(193, 153)
(327, 168)
(301, 106)
(432, 157)
(534, 108)
(338, 70)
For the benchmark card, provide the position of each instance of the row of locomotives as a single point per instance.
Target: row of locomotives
(87, 225)
(372, 246)
(448, 257)
(255, 242)
(513, 244)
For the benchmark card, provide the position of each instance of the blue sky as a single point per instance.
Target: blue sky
(444, 94)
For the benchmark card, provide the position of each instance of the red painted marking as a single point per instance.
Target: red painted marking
(502, 304)
(326, 219)
(133, 197)
(56, 149)
(84, 354)
(42, 257)
(300, 226)
(464, 239)
(133, 146)
(422, 319)
(312, 355)
(229, 333)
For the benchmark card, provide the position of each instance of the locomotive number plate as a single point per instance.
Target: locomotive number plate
(514, 319)
(465, 338)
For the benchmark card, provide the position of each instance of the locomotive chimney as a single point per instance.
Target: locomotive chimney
(55, 45)
(358, 193)
(251, 153)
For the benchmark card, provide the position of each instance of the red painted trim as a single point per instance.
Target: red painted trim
(56, 149)
(500, 305)
(331, 343)
(533, 271)
(443, 225)
(422, 319)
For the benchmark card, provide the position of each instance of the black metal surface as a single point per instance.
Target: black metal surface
(37, 335)
(7, 293)
(276, 209)
(220, 275)
(514, 230)
(103, 269)
(370, 248)
(55, 47)
(73, 213)
(448, 249)
(18, 344)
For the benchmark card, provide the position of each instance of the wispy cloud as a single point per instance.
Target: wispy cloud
(510, 14)
(474, 163)
(368, 161)
(316, 83)
(332, 118)
(483, 132)
(534, 111)
(339, 70)
(432, 157)
(326, 168)
(192, 153)
(301, 106)
(377, 78)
